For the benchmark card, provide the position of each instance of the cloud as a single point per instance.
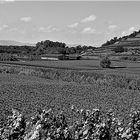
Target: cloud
(26, 19)
(47, 29)
(21, 31)
(132, 29)
(89, 19)
(129, 31)
(113, 27)
(3, 27)
(9, 0)
(88, 30)
(74, 25)
(6, 1)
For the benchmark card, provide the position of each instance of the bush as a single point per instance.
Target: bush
(7, 57)
(105, 63)
(119, 49)
(131, 58)
(78, 57)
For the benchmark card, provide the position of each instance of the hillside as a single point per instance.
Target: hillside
(131, 41)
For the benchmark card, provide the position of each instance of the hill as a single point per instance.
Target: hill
(14, 43)
(130, 41)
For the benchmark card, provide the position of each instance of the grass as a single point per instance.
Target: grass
(55, 85)
(28, 93)
(117, 67)
(84, 77)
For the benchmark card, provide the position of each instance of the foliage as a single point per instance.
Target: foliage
(7, 57)
(91, 124)
(131, 58)
(17, 49)
(47, 46)
(118, 49)
(44, 47)
(112, 41)
(105, 62)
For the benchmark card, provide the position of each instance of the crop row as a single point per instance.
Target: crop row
(90, 125)
(28, 93)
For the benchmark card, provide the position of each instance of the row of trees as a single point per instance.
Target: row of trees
(44, 47)
(17, 49)
(47, 46)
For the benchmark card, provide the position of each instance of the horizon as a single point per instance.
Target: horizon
(72, 22)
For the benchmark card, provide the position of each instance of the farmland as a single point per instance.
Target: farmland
(30, 86)
(28, 93)
(117, 67)
(34, 85)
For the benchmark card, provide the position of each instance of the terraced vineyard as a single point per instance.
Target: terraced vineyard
(27, 94)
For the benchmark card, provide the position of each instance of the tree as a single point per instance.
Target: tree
(62, 51)
(105, 62)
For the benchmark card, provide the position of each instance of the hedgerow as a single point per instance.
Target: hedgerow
(91, 125)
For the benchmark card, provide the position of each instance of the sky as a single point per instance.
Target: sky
(73, 22)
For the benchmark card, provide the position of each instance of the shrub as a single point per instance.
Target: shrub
(124, 58)
(131, 58)
(105, 63)
(119, 49)
(78, 57)
(7, 57)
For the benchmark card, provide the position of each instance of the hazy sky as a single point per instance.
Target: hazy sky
(74, 22)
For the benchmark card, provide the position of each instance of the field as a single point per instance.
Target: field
(28, 93)
(31, 86)
(117, 67)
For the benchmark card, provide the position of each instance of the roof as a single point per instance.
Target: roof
(50, 55)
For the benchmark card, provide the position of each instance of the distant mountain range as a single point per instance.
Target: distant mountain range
(14, 43)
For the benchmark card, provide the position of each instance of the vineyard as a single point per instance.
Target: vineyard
(28, 93)
(33, 91)
(90, 125)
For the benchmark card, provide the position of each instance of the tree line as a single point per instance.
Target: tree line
(47, 47)
(44, 47)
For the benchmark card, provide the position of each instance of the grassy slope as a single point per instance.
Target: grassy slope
(29, 93)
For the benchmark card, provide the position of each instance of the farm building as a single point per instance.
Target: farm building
(60, 57)
(50, 57)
